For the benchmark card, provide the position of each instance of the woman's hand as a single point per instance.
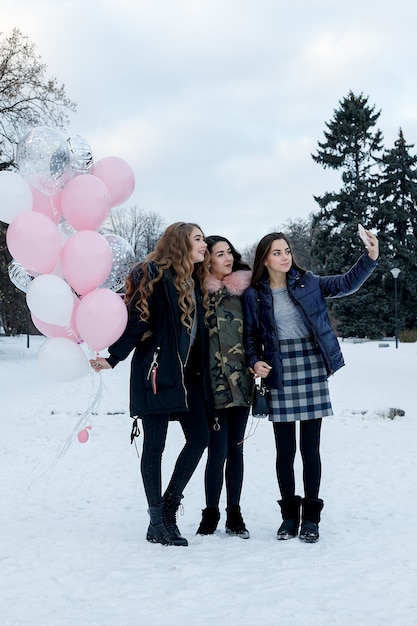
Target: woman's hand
(373, 246)
(100, 364)
(261, 369)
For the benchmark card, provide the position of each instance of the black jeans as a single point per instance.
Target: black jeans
(226, 446)
(285, 442)
(195, 428)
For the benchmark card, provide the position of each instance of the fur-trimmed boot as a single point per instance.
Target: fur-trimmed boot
(234, 522)
(290, 511)
(311, 509)
(172, 504)
(209, 521)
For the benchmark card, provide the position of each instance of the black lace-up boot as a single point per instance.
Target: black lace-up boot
(234, 522)
(290, 511)
(160, 529)
(172, 504)
(209, 521)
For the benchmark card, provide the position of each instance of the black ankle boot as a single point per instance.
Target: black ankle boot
(290, 511)
(172, 504)
(209, 521)
(234, 522)
(160, 529)
(311, 508)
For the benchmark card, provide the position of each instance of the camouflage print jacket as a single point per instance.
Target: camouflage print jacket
(231, 381)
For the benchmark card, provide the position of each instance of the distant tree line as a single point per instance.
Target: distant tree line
(378, 189)
(140, 228)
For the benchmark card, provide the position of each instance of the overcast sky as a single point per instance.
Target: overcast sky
(218, 104)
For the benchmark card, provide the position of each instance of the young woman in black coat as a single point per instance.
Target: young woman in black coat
(167, 309)
(290, 343)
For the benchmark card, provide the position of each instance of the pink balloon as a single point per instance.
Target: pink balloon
(46, 205)
(83, 436)
(86, 260)
(101, 318)
(86, 202)
(53, 330)
(118, 177)
(34, 241)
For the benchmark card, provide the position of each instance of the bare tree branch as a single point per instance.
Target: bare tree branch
(140, 228)
(27, 97)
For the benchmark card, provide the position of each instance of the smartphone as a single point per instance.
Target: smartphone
(363, 235)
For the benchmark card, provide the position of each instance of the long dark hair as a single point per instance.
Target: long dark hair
(262, 251)
(238, 263)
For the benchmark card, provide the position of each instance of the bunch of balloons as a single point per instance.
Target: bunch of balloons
(71, 273)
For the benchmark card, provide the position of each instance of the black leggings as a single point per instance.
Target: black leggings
(226, 446)
(195, 428)
(285, 442)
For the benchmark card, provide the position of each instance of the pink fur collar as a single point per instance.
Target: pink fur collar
(235, 283)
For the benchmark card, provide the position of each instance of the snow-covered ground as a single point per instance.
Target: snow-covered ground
(73, 521)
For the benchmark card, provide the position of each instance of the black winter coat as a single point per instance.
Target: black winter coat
(308, 291)
(161, 389)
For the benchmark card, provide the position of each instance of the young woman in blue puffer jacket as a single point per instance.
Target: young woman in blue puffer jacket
(290, 343)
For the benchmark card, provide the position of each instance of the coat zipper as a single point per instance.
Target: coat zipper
(153, 369)
(183, 380)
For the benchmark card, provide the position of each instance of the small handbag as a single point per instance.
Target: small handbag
(260, 399)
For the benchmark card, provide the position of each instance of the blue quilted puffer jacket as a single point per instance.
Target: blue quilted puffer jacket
(308, 291)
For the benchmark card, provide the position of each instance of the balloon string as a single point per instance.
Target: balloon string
(53, 207)
(73, 335)
(94, 404)
(82, 421)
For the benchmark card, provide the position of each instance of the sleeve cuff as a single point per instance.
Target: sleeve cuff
(112, 360)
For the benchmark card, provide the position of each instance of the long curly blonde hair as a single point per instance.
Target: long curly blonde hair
(172, 251)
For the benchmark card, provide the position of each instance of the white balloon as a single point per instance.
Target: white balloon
(63, 360)
(50, 299)
(15, 196)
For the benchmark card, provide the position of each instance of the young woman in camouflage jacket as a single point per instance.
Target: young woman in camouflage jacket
(231, 385)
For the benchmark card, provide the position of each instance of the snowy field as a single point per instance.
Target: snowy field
(72, 540)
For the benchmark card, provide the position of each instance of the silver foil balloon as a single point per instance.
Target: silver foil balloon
(65, 228)
(81, 155)
(44, 160)
(123, 260)
(19, 276)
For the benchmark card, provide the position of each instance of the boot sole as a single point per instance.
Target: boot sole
(309, 539)
(285, 536)
(162, 542)
(243, 535)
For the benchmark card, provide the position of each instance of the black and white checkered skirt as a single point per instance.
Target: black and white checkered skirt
(305, 393)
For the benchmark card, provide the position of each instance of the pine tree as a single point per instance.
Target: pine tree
(396, 221)
(352, 145)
